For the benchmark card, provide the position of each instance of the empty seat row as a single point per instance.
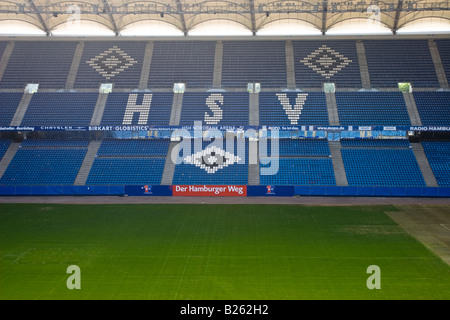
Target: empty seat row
(438, 155)
(226, 108)
(123, 171)
(32, 166)
(381, 167)
(134, 147)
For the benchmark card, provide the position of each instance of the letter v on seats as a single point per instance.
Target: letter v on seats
(293, 112)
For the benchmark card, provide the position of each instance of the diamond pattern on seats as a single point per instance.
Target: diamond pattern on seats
(111, 62)
(326, 61)
(212, 159)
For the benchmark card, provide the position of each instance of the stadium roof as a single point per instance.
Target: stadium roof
(252, 15)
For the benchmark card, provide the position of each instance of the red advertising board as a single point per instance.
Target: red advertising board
(210, 191)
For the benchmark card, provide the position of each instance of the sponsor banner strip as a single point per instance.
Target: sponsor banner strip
(223, 128)
(209, 190)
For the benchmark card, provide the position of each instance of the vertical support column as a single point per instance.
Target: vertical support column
(338, 163)
(363, 67)
(169, 166)
(253, 165)
(88, 161)
(99, 109)
(177, 104)
(21, 109)
(145, 73)
(5, 58)
(411, 107)
(253, 109)
(424, 165)
(290, 65)
(218, 60)
(437, 62)
(75, 65)
(8, 157)
(333, 115)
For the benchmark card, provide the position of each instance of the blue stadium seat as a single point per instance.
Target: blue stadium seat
(317, 62)
(134, 148)
(121, 162)
(438, 155)
(301, 172)
(394, 61)
(116, 105)
(254, 61)
(215, 108)
(4, 144)
(311, 109)
(126, 171)
(301, 162)
(375, 143)
(433, 107)
(3, 45)
(119, 63)
(380, 163)
(444, 53)
(372, 108)
(8, 106)
(190, 62)
(69, 109)
(227, 171)
(299, 147)
(45, 163)
(47, 63)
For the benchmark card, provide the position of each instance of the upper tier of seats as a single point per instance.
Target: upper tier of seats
(394, 61)
(194, 63)
(254, 61)
(326, 61)
(46, 63)
(444, 53)
(3, 45)
(119, 63)
(182, 62)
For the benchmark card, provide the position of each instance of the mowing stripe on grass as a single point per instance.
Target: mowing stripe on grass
(212, 252)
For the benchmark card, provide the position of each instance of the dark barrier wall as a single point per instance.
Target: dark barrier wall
(148, 190)
(372, 191)
(61, 190)
(252, 191)
(270, 191)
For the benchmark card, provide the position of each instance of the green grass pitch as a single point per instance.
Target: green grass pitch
(212, 252)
